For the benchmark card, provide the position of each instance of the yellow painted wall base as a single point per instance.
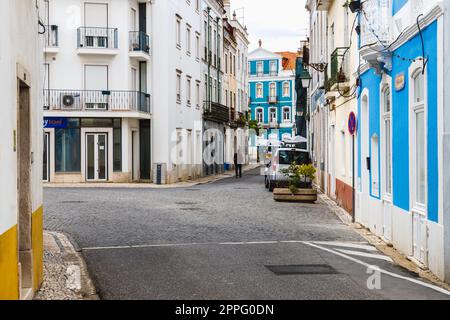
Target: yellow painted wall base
(37, 237)
(9, 277)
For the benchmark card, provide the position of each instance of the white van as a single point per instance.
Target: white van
(281, 159)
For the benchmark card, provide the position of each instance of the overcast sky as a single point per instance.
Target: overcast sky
(280, 24)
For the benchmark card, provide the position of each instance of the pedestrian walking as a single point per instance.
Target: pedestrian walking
(238, 162)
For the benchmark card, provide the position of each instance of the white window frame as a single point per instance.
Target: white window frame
(288, 109)
(289, 89)
(257, 112)
(275, 120)
(259, 96)
(273, 67)
(413, 109)
(197, 46)
(258, 64)
(188, 90)
(178, 31)
(272, 86)
(188, 39)
(178, 86)
(385, 117)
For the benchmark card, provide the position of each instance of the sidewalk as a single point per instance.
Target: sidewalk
(384, 247)
(65, 273)
(184, 184)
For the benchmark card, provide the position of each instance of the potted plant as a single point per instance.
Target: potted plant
(300, 188)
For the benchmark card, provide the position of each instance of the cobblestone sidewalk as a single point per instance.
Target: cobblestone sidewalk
(65, 273)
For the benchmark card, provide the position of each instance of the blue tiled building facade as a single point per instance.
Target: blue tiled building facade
(272, 94)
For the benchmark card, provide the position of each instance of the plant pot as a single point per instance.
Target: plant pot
(301, 195)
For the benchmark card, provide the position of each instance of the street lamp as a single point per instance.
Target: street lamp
(306, 78)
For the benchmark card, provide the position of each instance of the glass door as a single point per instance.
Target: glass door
(96, 157)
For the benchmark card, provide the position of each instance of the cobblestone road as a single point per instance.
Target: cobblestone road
(214, 241)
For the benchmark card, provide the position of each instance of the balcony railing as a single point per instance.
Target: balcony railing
(338, 67)
(51, 36)
(216, 112)
(272, 99)
(96, 100)
(97, 38)
(139, 41)
(375, 23)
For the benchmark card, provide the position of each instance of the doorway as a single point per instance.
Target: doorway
(96, 157)
(135, 157)
(24, 189)
(365, 161)
(46, 158)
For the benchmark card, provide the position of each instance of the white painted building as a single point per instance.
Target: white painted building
(216, 115)
(177, 89)
(21, 211)
(235, 84)
(98, 63)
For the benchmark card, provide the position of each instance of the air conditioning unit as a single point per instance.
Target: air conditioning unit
(70, 101)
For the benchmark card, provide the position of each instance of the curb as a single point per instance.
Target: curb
(65, 273)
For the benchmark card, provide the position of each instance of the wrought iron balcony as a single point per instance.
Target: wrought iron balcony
(139, 41)
(272, 99)
(51, 36)
(97, 38)
(216, 112)
(338, 68)
(96, 100)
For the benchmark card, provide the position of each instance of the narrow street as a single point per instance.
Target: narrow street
(218, 241)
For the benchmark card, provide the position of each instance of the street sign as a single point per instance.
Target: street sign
(352, 123)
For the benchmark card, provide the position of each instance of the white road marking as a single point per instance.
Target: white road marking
(347, 245)
(367, 265)
(365, 254)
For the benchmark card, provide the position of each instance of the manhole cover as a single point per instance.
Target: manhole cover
(302, 269)
(73, 202)
(189, 209)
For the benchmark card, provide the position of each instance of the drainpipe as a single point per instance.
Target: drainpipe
(218, 59)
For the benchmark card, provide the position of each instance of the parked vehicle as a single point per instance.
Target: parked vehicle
(281, 159)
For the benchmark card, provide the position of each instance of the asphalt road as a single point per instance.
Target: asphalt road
(220, 241)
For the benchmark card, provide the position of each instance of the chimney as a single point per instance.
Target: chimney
(260, 43)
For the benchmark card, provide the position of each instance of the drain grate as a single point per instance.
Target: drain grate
(302, 269)
(191, 189)
(186, 203)
(73, 202)
(189, 209)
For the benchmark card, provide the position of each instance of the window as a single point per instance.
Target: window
(387, 140)
(197, 94)
(259, 68)
(188, 90)
(197, 46)
(178, 32)
(259, 90)
(226, 63)
(188, 39)
(178, 87)
(273, 90)
(273, 68)
(259, 115)
(286, 114)
(273, 115)
(286, 89)
(68, 147)
(419, 145)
